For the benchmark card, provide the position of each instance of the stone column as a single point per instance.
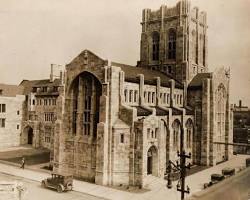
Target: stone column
(172, 87)
(158, 86)
(141, 90)
(102, 139)
(205, 122)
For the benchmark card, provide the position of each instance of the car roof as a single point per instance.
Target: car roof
(61, 174)
(216, 175)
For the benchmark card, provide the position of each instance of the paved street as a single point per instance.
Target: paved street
(233, 188)
(157, 189)
(36, 192)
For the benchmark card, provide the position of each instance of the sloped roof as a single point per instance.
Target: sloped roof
(29, 84)
(11, 90)
(120, 124)
(132, 72)
(197, 80)
(142, 111)
(160, 111)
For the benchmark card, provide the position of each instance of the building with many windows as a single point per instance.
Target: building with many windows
(41, 108)
(120, 124)
(11, 112)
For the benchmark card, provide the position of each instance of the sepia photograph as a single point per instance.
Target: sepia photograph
(125, 100)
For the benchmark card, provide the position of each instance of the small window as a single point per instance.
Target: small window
(169, 69)
(2, 122)
(149, 97)
(2, 108)
(148, 133)
(126, 95)
(17, 126)
(33, 102)
(152, 134)
(156, 130)
(164, 98)
(44, 89)
(122, 138)
(130, 95)
(1, 92)
(135, 96)
(164, 68)
(18, 112)
(153, 97)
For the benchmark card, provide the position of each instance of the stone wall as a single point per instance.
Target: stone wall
(10, 134)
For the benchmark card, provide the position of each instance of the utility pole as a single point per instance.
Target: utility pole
(180, 167)
(183, 167)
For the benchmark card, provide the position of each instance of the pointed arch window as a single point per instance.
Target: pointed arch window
(155, 46)
(172, 44)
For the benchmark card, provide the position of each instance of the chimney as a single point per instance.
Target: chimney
(61, 77)
(240, 103)
(51, 73)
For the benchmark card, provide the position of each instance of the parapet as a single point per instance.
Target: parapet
(183, 7)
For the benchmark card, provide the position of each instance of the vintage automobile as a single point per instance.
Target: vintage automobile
(60, 182)
(215, 178)
(228, 171)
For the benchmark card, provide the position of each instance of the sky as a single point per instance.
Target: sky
(36, 33)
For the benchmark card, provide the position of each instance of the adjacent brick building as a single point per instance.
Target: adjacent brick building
(241, 130)
(11, 112)
(121, 123)
(42, 106)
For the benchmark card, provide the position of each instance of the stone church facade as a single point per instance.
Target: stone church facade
(120, 123)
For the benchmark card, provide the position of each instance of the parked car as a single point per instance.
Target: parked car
(60, 182)
(215, 178)
(228, 171)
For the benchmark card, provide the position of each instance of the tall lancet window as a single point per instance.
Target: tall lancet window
(172, 44)
(155, 46)
(87, 92)
(85, 101)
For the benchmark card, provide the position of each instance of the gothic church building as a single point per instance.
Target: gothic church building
(121, 123)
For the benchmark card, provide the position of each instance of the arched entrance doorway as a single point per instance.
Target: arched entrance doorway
(30, 136)
(152, 161)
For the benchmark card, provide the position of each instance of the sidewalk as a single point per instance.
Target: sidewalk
(157, 186)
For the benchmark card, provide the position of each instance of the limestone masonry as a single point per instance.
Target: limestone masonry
(115, 124)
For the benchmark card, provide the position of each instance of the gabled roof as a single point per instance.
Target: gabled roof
(86, 57)
(132, 72)
(197, 80)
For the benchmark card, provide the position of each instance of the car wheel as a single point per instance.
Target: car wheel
(69, 186)
(43, 184)
(59, 188)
